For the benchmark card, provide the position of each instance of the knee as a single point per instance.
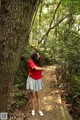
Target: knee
(37, 95)
(33, 95)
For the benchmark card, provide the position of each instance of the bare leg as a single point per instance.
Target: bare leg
(38, 100)
(32, 99)
(38, 103)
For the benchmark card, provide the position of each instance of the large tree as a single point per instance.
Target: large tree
(16, 18)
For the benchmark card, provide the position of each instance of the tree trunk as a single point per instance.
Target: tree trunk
(15, 22)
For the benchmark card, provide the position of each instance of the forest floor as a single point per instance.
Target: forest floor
(51, 102)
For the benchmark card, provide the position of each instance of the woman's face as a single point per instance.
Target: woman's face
(38, 55)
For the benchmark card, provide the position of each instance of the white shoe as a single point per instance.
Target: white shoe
(41, 113)
(33, 112)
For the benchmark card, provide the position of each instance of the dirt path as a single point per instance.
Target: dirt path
(51, 103)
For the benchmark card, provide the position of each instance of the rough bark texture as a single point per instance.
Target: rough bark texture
(15, 21)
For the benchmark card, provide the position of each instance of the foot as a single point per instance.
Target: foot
(33, 112)
(40, 113)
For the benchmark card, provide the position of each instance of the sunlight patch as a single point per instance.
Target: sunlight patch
(59, 100)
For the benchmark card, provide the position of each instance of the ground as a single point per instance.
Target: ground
(51, 103)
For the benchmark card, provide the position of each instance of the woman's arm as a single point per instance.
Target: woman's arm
(38, 68)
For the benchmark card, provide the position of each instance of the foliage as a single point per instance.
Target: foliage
(21, 75)
(22, 71)
(19, 100)
(59, 41)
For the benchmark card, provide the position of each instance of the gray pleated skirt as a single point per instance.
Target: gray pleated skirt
(34, 85)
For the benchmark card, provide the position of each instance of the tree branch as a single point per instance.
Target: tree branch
(53, 27)
(58, 22)
(51, 20)
(54, 14)
(40, 13)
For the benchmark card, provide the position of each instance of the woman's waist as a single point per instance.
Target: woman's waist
(35, 76)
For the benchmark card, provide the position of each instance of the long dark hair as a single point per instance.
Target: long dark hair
(35, 58)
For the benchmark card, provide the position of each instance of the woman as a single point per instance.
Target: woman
(34, 81)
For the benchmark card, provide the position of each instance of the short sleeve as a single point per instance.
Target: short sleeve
(31, 64)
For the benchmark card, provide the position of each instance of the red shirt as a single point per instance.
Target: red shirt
(33, 73)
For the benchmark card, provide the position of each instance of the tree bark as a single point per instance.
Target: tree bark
(15, 22)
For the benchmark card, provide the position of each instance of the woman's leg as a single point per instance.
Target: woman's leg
(38, 100)
(32, 99)
(38, 103)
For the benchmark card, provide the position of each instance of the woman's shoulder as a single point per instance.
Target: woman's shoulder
(29, 61)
